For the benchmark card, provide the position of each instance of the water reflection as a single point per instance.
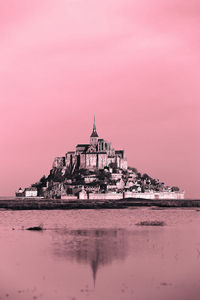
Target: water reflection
(95, 247)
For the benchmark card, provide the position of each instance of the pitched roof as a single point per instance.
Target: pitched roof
(82, 145)
(31, 189)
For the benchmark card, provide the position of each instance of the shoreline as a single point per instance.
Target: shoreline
(41, 203)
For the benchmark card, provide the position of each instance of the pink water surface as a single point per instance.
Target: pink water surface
(90, 254)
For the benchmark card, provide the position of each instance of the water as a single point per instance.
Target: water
(100, 254)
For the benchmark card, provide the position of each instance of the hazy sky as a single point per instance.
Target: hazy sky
(135, 64)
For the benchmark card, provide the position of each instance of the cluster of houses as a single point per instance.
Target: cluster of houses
(30, 192)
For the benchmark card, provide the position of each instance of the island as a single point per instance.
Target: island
(97, 171)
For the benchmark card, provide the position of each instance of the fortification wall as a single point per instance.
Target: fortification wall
(69, 197)
(155, 195)
(106, 196)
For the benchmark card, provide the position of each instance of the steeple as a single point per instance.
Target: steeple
(94, 132)
(94, 136)
(94, 125)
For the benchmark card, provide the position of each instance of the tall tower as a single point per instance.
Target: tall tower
(94, 136)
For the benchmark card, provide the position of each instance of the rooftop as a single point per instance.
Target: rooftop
(82, 145)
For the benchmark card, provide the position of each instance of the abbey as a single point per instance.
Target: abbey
(98, 154)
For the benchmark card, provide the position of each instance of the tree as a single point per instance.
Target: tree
(175, 189)
(133, 169)
(145, 176)
(43, 181)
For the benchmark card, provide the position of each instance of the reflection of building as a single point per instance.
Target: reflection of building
(96, 247)
(95, 155)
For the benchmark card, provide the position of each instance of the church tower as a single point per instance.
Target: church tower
(94, 136)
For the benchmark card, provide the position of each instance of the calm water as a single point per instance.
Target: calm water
(100, 254)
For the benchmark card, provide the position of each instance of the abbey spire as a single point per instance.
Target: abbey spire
(94, 136)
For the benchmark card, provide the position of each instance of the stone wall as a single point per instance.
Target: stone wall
(111, 159)
(106, 196)
(123, 164)
(59, 162)
(91, 160)
(70, 159)
(102, 160)
(155, 195)
(69, 197)
(82, 161)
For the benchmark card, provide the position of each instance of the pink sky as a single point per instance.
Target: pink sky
(135, 64)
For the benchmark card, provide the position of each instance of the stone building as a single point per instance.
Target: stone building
(31, 192)
(20, 193)
(98, 154)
